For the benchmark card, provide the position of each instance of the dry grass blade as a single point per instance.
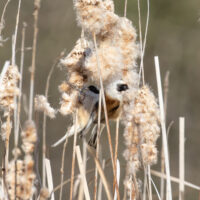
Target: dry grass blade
(102, 175)
(175, 180)
(100, 183)
(62, 168)
(73, 158)
(98, 139)
(82, 171)
(49, 177)
(181, 157)
(163, 127)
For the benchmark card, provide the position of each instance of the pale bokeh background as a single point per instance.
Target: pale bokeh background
(173, 35)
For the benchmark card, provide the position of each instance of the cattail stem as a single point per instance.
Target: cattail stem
(73, 159)
(98, 138)
(164, 134)
(181, 157)
(35, 34)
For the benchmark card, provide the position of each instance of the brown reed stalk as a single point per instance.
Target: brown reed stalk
(100, 182)
(106, 118)
(101, 173)
(73, 158)
(62, 168)
(35, 34)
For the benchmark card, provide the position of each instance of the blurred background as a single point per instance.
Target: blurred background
(173, 35)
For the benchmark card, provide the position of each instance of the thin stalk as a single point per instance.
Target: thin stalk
(69, 180)
(97, 150)
(44, 122)
(20, 82)
(116, 145)
(100, 183)
(2, 17)
(163, 127)
(73, 158)
(80, 195)
(62, 168)
(82, 172)
(106, 117)
(102, 175)
(35, 34)
(181, 157)
(125, 8)
(166, 89)
(149, 180)
(176, 180)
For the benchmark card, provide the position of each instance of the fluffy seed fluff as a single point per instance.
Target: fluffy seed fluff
(9, 88)
(142, 131)
(41, 104)
(20, 175)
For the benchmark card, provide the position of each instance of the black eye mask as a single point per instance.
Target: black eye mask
(93, 89)
(122, 87)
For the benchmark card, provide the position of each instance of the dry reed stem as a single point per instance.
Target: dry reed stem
(49, 177)
(163, 127)
(2, 22)
(143, 44)
(98, 138)
(80, 195)
(82, 172)
(20, 82)
(149, 181)
(116, 146)
(175, 180)
(44, 121)
(100, 183)
(106, 117)
(69, 179)
(35, 27)
(62, 168)
(181, 157)
(73, 158)
(102, 175)
(166, 89)
(125, 7)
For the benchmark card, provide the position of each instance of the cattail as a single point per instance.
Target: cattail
(29, 137)
(95, 16)
(142, 131)
(9, 88)
(44, 194)
(20, 179)
(41, 104)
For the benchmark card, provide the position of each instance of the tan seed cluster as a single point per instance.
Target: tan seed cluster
(41, 104)
(9, 87)
(142, 131)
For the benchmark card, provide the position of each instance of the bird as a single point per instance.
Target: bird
(87, 110)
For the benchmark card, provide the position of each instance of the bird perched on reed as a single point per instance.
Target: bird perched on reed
(87, 109)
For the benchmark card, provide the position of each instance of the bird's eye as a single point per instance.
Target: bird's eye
(122, 87)
(93, 89)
